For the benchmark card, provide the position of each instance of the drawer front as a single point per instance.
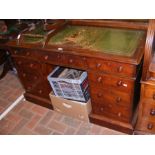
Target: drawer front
(147, 126)
(24, 53)
(74, 61)
(111, 82)
(35, 84)
(112, 67)
(112, 111)
(111, 96)
(38, 88)
(149, 91)
(29, 78)
(148, 110)
(50, 57)
(27, 65)
(41, 89)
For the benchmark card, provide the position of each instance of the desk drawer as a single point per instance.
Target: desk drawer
(111, 96)
(27, 77)
(149, 91)
(37, 87)
(74, 61)
(27, 65)
(41, 89)
(112, 67)
(50, 57)
(30, 81)
(112, 111)
(111, 82)
(24, 53)
(148, 110)
(147, 126)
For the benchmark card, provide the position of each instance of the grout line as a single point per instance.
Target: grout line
(11, 106)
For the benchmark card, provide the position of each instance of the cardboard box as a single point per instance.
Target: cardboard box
(76, 109)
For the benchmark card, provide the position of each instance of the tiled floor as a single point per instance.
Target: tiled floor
(30, 119)
(10, 90)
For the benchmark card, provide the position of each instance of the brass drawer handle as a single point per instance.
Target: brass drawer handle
(118, 99)
(15, 52)
(99, 95)
(98, 65)
(84, 58)
(35, 77)
(19, 62)
(70, 60)
(40, 91)
(150, 126)
(27, 53)
(119, 83)
(152, 112)
(58, 56)
(109, 105)
(31, 65)
(109, 64)
(99, 79)
(46, 57)
(101, 109)
(24, 75)
(119, 114)
(120, 68)
(29, 88)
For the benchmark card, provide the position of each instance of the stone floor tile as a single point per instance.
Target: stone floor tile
(72, 122)
(26, 113)
(40, 129)
(44, 120)
(58, 126)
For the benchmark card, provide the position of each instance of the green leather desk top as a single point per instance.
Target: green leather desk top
(33, 40)
(107, 40)
(31, 37)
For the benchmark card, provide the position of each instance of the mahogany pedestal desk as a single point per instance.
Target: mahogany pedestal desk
(113, 77)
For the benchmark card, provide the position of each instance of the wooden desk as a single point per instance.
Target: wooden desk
(113, 78)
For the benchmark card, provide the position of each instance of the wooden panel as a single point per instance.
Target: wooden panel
(112, 23)
(112, 123)
(39, 100)
(148, 52)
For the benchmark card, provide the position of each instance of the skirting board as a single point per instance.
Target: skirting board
(11, 106)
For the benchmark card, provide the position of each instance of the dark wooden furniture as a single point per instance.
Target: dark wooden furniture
(13, 28)
(113, 78)
(5, 62)
(146, 112)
